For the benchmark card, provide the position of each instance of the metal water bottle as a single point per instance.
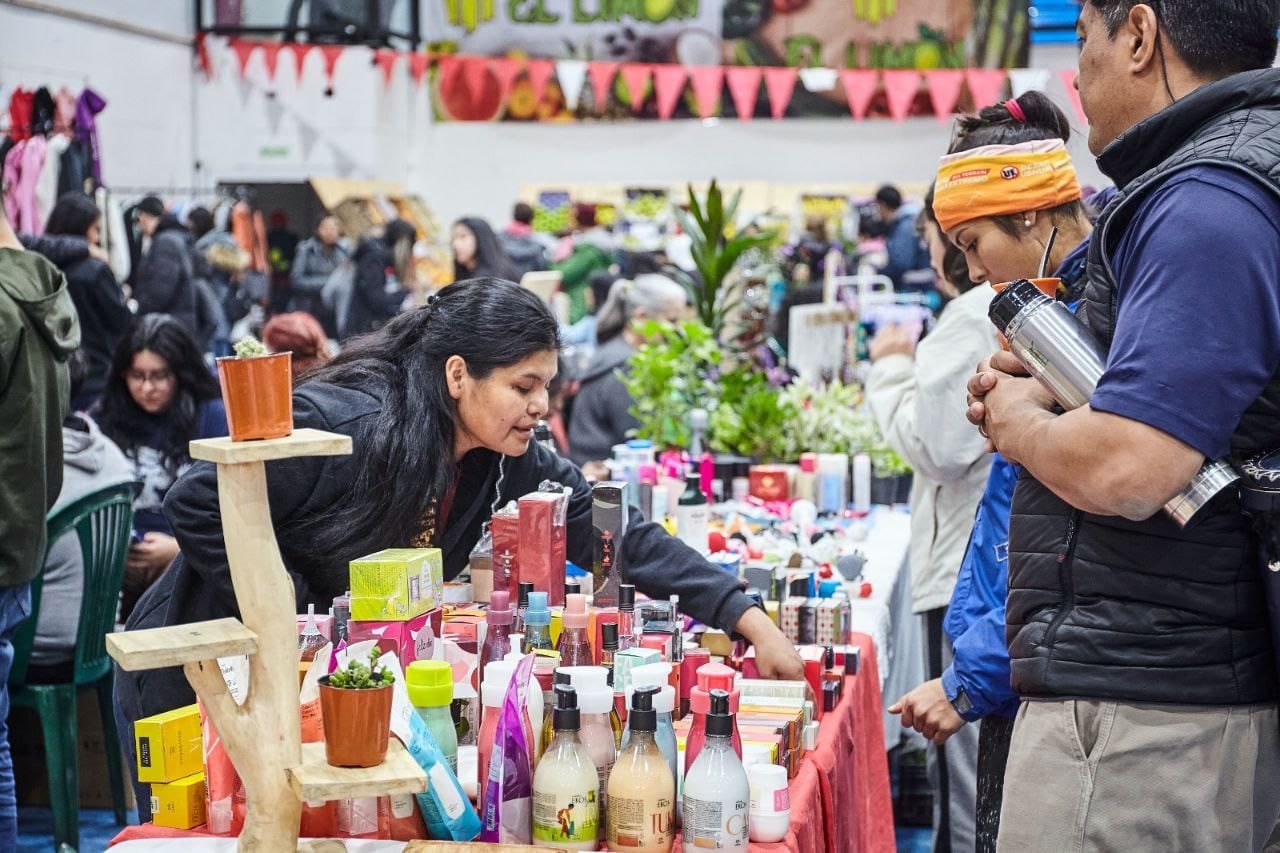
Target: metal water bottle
(1061, 352)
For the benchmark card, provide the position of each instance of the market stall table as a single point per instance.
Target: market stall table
(840, 799)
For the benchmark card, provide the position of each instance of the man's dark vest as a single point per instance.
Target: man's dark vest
(1100, 607)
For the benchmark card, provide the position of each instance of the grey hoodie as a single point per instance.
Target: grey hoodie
(38, 332)
(601, 414)
(91, 461)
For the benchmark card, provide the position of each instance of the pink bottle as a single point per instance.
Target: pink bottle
(497, 641)
(711, 676)
(575, 646)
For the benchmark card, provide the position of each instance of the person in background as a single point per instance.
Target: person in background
(38, 334)
(220, 262)
(90, 462)
(522, 247)
(915, 392)
(1142, 649)
(163, 280)
(1000, 247)
(601, 415)
(906, 253)
(588, 251)
(384, 268)
(282, 248)
(318, 256)
(477, 252)
(301, 334)
(159, 397)
(99, 299)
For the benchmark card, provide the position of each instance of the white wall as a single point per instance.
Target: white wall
(146, 129)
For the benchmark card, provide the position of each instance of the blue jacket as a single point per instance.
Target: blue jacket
(975, 620)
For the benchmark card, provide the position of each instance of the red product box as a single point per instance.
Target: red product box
(505, 527)
(542, 517)
(411, 641)
(770, 482)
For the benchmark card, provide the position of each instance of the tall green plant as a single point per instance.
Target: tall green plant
(716, 246)
(669, 376)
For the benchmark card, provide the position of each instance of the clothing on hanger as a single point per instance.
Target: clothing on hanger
(50, 173)
(21, 106)
(42, 112)
(64, 113)
(115, 234)
(89, 104)
(22, 169)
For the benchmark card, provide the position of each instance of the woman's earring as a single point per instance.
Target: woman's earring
(1026, 223)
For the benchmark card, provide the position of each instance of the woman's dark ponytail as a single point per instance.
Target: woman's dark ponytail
(998, 125)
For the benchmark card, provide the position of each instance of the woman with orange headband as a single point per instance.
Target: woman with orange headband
(1007, 196)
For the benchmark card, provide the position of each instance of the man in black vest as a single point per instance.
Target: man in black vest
(1141, 648)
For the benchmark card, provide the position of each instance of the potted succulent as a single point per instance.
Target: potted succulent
(257, 388)
(355, 702)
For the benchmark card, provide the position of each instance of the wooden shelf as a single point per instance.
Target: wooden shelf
(303, 442)
(317, 781)
(157, 648)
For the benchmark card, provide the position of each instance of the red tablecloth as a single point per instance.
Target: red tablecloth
(840, 800)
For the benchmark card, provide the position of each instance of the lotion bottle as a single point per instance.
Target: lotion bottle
(566, 807)
(642, 790)
(716, 791)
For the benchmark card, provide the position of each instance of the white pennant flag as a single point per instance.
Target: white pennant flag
(818, 79)
(1023, 80)
(572, 74)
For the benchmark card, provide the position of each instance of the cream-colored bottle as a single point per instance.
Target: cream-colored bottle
(566, 787)
(642, 791)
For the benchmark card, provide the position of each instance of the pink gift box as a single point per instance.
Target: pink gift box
(412, 640)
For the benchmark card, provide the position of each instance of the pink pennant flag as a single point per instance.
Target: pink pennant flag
(636, 76)
(707, 80)
(386, 60)
(299, 51)
(901, 88)
(986, 85)
(505, 70)
(271, 56)
(780, 83)
(944, 91)
(540, 71)
(243, 49)
(668, 83)
(418, 63)
(475, 70)
(331, 53)
(1068, 78)
(744, 86)
(859, 88)
(602, 74)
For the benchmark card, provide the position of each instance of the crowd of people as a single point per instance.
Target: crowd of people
(1099, 677)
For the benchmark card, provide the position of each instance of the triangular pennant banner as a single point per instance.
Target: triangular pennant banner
(818, 79)
(386, 60)
(944, 91)
(744, 86)
(331, 53)
(572, 74)
(299, 51)
(636, 76)
(243, 49)
(780, 83)
(707, 80)
(859, 88)
(602, 74)
(668, 83)
(540, 71)
(506, 70)
(203, 60)
(986, 85)
(271, 56)
(1068, 78)
(475, 70)
(901, 88)
(418, 63)
(1023, 80)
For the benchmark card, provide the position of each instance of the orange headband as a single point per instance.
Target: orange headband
(997, 180)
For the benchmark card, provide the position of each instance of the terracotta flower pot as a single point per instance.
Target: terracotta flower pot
(258, 393)
(356, 724)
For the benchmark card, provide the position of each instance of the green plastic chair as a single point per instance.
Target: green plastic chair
(103, 521)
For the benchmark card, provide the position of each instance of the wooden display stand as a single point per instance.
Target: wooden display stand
(262, 736)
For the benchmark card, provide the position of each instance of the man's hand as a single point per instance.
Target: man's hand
(986, 377)
(892, 340)
(152, 555)
(927, 710)
(776, 657)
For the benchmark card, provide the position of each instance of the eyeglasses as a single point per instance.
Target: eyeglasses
(157, 377)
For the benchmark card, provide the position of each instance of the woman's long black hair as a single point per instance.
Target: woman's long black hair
(491, 259)
(125, 422)
(404, 456)
(73, 214)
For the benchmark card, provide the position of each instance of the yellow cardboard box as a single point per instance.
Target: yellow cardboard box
(396, 584)
(180, 804)
(169, 745)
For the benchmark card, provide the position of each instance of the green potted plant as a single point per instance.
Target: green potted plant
(355, 702)
(257, 388)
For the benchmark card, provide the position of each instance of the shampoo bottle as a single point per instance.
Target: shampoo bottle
(430, 687)
(716, 791)
(566, 812)
(642, 790)
(575, 647)
(497, 640)
(537, 624)
(711, 676)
